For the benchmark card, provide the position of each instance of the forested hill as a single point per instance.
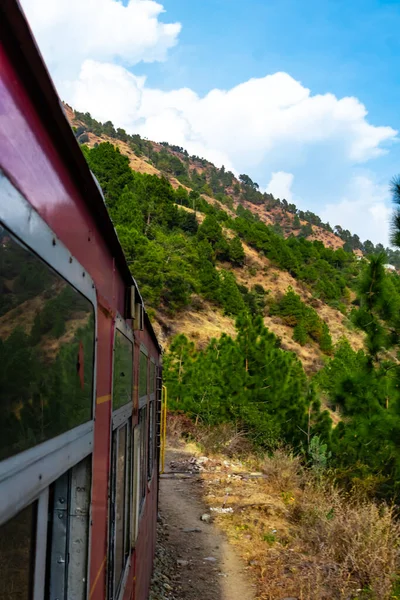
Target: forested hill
(200, 263)
(218, 185)
(294, 341)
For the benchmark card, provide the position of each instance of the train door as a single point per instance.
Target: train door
(47, 374)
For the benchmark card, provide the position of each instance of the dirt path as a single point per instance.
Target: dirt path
(206, 566)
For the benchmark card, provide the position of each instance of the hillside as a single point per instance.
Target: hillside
(293, 341)
(272, 214)
(201, 320)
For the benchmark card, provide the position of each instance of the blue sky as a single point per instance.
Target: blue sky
(349, 48)
(175, 74)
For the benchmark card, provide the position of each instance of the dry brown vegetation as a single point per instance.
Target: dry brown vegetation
(259, 270)
(200, 323)
(301, 536)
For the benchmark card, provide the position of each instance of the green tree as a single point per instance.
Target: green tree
(231, 298)
(300, 333)
(296, 222)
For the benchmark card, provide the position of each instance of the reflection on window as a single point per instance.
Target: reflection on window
(143, 453)
(120, 538)
(46, 351)
(123, 371)
(152, 377)
(119, 504)
(17, 554)
(150, 440)
(143, 375)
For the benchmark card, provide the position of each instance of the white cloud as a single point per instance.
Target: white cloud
(244, 126)
(272, 125)
(363, 209)
(71, 31)
(280, 185)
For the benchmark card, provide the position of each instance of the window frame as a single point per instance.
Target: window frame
(116, 589)
(121, 417)
(143, 468)
(144, 399)
(135, 484)
(121, 327)
(26, 476)
(152, 421)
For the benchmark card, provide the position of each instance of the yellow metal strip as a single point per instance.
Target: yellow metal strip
(102, 399)
(97, 576)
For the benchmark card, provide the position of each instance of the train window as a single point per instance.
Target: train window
(143, 453)
(152, 377)
(47, 332)
(121, 505)
(17, 538)
(150, 440)
(135, 483)
(123, 370)
(143, 375)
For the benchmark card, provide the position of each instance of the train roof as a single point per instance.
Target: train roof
(17, 37)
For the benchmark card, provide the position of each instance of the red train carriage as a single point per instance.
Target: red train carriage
(79, 361)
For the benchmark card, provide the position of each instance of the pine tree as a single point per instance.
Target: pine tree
(300, 333)
(210, 230)
(395, 189)
(375, 304)
(231, 298)
(236, 252)
(325, 342)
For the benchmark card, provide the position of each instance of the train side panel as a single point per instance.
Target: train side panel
(120, 549)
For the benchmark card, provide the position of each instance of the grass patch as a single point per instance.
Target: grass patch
(300, 536)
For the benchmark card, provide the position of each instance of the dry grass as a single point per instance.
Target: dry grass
(200, 323)
(259, 270)
(301, 538)
(224, 439)
(358, 540)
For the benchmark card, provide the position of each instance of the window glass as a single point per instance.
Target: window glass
(123, 371)
(17, 555)
(120, 505)
(150, 440)
(143, 375)
(143, 453)
(46, 350)
(152, 377)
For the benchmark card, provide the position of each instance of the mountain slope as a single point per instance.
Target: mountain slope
(271, 215)
(201, 319)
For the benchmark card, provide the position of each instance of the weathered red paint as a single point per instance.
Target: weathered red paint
(29, 157)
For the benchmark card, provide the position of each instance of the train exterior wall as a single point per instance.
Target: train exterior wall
(30, 159)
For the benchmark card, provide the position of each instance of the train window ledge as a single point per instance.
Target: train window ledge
(121, 415)
(24, 476)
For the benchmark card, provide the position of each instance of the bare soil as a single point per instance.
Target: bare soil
(205, 565)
